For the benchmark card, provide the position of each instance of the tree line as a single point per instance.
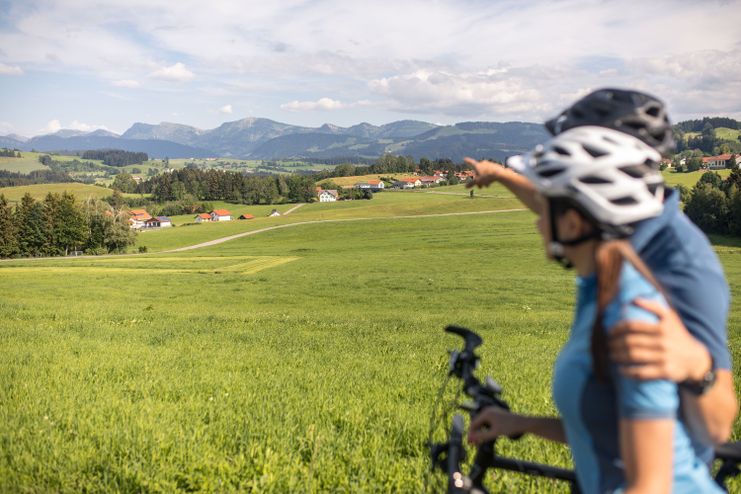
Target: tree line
(59, 225)
(714, 204)
(699, 124)
(219, 185)
(10, 153)
(13, 179)
(116, 157)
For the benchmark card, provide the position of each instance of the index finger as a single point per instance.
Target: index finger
(470, 161)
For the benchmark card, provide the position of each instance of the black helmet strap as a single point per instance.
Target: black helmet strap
(556, 246)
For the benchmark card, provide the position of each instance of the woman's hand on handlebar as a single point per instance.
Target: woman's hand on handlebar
(493, 422)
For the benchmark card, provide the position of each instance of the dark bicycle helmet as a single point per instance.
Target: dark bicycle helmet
(638, 114)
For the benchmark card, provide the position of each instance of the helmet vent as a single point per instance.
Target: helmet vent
(593, 152)
(551, 172)
(653, 111)
(634, 171)
(561, 151)
(624, 201)
(591, 179)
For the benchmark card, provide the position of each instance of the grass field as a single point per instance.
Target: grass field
(689, 179)
(350, 181)
(305, 359)
(39, 191)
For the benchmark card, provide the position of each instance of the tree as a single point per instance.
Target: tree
(711, 178)
(693, 164)
(124, 182)
(8, 231)
(72, 227)
(29, 221)
(708, 209)
(731, 163)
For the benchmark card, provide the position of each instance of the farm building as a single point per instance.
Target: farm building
(138, 217)
(407, 183)
(246, 216)
(220, 215)
(203, 217)
(374, 185)
(328, 196)
(274, 212)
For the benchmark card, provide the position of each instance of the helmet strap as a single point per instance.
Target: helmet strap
(556, 246)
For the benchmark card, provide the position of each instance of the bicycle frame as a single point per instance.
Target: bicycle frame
(449, 455)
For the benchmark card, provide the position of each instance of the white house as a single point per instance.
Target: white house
(718, 162)
(328, 195)
(203, 217)
(220, 215)
(165, 222)
(408, 183)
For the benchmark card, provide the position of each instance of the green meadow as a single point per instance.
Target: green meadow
(39, 191)
(300, 359)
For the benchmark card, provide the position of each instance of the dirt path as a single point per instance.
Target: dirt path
(312, 222)
(294, 208)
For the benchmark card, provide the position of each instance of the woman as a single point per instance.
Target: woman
(626, 435)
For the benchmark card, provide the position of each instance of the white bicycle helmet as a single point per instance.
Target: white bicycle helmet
(611, 176)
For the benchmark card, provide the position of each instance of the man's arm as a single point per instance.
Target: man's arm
(666, 350)
(487, 173)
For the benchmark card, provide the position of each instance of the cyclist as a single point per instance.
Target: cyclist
(626, 435)
(688, 348)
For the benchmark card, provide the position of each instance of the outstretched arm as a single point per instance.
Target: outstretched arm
(493, 422)
(487, 173)
(666, 350)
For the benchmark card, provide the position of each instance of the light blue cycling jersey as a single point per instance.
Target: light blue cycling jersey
(590, 409)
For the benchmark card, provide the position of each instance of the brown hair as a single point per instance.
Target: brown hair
(609, 260)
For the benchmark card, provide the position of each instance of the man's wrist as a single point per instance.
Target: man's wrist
(702, 377)
(702, 364)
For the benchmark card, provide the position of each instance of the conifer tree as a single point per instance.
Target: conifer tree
(8, 233)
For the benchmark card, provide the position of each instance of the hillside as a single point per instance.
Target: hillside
(39, 191)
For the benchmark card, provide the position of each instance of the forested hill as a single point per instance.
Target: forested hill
(709, 135)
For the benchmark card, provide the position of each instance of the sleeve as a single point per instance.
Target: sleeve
(639, 399)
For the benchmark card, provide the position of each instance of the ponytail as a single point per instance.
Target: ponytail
(609, 260)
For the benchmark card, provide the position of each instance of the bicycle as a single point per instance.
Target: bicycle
(448, 456)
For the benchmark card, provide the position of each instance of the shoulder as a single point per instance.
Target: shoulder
(632, 285)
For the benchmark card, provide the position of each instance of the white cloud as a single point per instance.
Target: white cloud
(10, 69)
(52, 126)
(177, 72)
(458, 94)
(227, 109)
(127, 83)
(320, 104)
(77, 125)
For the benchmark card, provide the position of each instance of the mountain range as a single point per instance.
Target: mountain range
(261, 138)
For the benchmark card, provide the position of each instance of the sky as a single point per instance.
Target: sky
(85, 65)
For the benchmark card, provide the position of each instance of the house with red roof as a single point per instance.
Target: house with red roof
(246, 216)
(408, 183)
(220, 215)
(138, 217)
(203, 218)
(719, 162)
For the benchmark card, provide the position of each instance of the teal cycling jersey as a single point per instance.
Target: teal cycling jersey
(592, 408)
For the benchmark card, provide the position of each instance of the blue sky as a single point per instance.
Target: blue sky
(109, 63)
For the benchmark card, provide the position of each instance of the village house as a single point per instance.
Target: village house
(245, 216)
(220, 215)
(373, 185)
(328, 196)
(464, 175)
(719, 162)
(431, 180)
(138, 217)
(203, 217)
(407, 183)
(274, 212)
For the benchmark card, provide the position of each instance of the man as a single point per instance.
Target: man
(688, 347)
